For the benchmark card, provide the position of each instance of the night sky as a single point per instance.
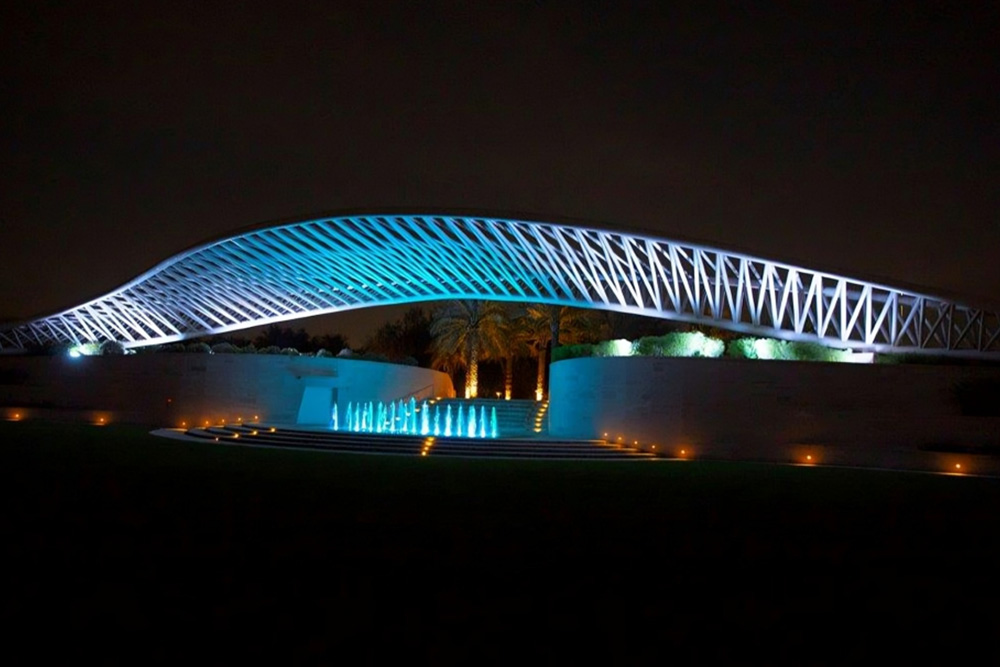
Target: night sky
(860, 138)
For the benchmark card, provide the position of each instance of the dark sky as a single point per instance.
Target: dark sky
(861, 138)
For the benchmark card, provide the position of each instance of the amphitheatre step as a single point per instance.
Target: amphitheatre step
(413, 445)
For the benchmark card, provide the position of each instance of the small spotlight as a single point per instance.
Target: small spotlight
(683, 452)
(809, 457)
(958, 466)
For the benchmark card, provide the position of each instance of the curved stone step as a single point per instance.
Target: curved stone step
(412, 445)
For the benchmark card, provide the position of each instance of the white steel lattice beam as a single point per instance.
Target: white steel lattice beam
(337, 263)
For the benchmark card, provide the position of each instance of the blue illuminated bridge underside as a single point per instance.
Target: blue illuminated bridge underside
(330, 264)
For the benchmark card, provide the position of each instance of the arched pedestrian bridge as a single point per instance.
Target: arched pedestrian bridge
(329, 264)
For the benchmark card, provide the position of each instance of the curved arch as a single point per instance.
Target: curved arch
(330, 264)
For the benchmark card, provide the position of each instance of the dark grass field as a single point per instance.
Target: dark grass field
(124, 547)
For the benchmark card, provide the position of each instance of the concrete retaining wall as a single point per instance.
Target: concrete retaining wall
(167, 389)
(770, 410)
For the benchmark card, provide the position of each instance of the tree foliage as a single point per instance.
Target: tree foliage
(406, 338)
(464, 331)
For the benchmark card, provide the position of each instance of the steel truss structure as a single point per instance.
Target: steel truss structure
(331, 264)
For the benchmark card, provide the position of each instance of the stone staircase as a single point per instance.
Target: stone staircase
(408, 445)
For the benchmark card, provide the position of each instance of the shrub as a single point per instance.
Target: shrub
(323, 353)
(613, 348)
(691, 344)
(225, 348)
(782, 350)
(926, 359)
(818, 352)
(270, 349)
(712, 347)
(742, 348)
(111, 348)
(173, 347)
(198, 348)
(679, 344)
(809, 351)
(290, 352)
(649, 346)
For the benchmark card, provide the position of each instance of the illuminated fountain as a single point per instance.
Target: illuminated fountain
(401, 417)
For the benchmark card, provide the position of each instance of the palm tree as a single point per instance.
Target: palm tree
(517, 342)
(537, 334)
(547, 324)
(465, 331)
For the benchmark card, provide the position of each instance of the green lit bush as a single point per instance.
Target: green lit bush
(713, 348)
(697, 344)
(649, 346)
(225, 348)
(613, 348)
(679, 344)
(111, 348)
(782, 350)
(741, 348)
(816, 352)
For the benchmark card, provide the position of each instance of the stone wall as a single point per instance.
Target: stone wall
(772, 410)
(168, 389)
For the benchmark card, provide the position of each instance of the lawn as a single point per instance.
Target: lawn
(138, 548)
